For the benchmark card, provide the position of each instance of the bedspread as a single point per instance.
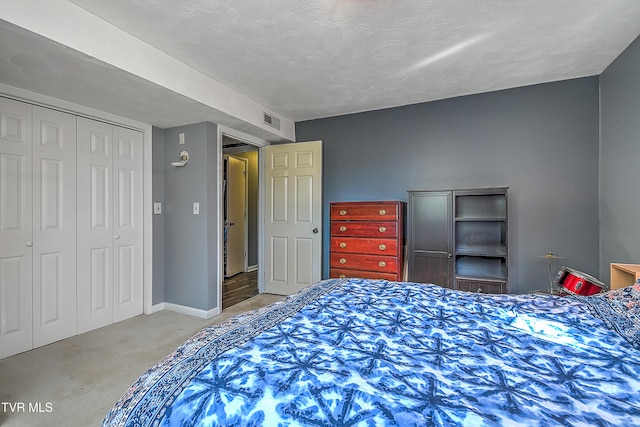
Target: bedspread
(355, 352)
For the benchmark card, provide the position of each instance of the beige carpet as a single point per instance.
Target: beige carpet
(75, 382)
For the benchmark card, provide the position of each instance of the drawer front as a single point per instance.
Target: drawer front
(363, 245)
(342, 273)
(482, 286)
(364, 212)
(384, 264)
(364, 229)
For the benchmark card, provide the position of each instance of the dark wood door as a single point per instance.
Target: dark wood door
(430, 237)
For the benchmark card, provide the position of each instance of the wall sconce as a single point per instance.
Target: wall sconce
(184, 158)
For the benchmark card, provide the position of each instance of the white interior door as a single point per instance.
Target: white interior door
(293, 216)
(54, 226)
(236, 214)
(16, 235)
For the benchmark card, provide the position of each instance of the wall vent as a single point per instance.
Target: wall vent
(274, 122)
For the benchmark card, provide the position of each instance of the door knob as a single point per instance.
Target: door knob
(231, 224)
(315, 230)
(117, 236)
(29, 244)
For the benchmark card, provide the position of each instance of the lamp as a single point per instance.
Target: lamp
(184, 158)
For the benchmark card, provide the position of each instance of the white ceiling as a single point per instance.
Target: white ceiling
(308, 59)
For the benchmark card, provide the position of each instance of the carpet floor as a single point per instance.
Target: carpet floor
(74, 382)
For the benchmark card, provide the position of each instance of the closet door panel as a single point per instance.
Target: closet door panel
(95, 225)
(127, 244)
(16, 234)
(54, 219)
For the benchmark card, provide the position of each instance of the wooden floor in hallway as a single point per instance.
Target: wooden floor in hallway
(239, 287)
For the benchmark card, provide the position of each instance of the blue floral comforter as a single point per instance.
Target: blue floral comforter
(353, 352)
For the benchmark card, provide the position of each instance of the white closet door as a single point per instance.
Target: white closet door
(16, 333)
(110, 239)
(127, 214)
(95, 225)
(54, 226)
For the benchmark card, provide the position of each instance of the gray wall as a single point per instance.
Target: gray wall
(620, 160)
(158, 171)
(541, 141)
(191, 242)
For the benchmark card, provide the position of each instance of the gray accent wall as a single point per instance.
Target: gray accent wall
(541, 141)
(158, 172)
(191, 242)
(620, 160)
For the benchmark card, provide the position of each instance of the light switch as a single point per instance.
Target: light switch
(157, 208)
(196, 208)
(181, 138)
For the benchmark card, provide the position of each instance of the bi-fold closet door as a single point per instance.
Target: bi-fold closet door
(59, 274)
(37, 226)
(109, 224)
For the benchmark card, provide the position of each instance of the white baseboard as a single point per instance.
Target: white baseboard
(252, 268)
(189, 311)
(156, 308)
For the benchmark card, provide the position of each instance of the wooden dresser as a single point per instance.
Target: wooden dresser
(367, 240)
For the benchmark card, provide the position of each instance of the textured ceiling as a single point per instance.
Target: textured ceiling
(315, 58)
(306, 59)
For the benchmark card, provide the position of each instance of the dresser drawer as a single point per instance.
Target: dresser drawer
(364, 229)
(362, 274)
(385, 264)
(364, 245)
(378, 211)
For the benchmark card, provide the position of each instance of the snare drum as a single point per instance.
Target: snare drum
(579, 283)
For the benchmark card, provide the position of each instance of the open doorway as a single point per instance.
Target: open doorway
(240, 215)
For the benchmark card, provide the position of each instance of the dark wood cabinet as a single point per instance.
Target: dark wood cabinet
(458, 238)
(367, 239)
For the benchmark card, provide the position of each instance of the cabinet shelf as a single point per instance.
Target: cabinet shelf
(480, 219)
(500, 279)
(480, 266)
(486, 251)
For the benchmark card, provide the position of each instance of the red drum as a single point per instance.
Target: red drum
(579, 283)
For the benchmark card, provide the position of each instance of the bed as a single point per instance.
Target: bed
(356, 352)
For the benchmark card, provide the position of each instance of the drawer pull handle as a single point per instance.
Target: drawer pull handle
(382, 212)
(382, 264)
(342, 276)
(382, 246)
(343, 212)
(343, 228)
(343, 245)
(382, 229)
(343, 260)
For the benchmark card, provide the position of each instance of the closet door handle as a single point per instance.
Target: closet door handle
(29, 244)
(117, 236)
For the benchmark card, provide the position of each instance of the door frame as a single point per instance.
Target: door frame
(260, 144)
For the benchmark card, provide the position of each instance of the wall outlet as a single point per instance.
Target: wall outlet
(196, 208)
